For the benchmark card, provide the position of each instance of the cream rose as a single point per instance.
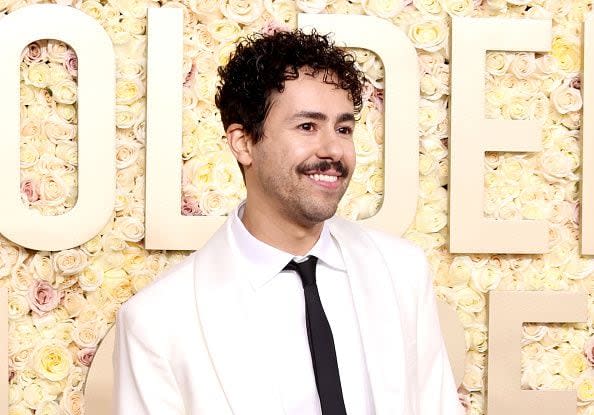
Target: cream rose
(382, 8)
(57, 130)
(37, 74)
(128, 90)
(70, 261)
(429, 34)
(566, 99)
(64, 91)
(241, 11)
(52, 361)
(73, 403)
(132, 229)
(428, 6)
(312, 6)
(458, 7)
(523, 64)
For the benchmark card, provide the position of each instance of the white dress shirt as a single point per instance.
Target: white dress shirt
(278, 318)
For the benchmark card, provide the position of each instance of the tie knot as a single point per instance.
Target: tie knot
(306, 270)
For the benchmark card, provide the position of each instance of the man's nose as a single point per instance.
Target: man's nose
(330, 145)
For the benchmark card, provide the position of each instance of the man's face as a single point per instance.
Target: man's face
(302, 165)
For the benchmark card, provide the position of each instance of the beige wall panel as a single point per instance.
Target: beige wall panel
(471, 135)
(4, 350)
(401, 103)
(99, 381)
(96, 127)
(453, 335)
(507, 311)
(587, 189)
(166, 227)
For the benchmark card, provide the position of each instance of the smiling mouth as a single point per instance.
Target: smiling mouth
(323, 178)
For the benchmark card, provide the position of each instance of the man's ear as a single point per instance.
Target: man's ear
(240, 144)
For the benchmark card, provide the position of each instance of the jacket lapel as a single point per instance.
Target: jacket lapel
(223, 297)
(378, 314)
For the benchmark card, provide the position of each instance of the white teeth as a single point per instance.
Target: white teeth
(323, 178)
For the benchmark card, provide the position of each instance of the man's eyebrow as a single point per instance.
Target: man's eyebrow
(347, 116)
(310, 114)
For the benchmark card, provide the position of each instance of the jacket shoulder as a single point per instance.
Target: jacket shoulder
(389, 244)
(171, 293)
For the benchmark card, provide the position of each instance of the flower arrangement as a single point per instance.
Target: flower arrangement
(61, 304)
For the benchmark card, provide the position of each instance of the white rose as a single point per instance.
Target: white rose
(312, 6)
(67, 112)
(523, 64)
(458, 7)
(68, 151)
(52, 190)
(382, 8)
(57, 130)
(486, 278)
(428, 6)
(566, 99)
(37, 74)
(429, 34)
(18, 306)
(87, 334)
(126, 153)
(64, 91)
(430, 219)
(498, 62)
(70, 261)
(131, 228)
(468, 299)
(48, 408)
(241, 11)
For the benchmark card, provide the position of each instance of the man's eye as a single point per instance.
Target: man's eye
(306, 126)
(345, 130)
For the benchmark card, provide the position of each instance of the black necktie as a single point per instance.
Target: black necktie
(321, 342)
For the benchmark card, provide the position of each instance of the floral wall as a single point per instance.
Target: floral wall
(61, 304)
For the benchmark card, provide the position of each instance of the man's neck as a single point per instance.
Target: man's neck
(280, 232)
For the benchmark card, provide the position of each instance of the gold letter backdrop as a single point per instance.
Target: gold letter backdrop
(62, 303)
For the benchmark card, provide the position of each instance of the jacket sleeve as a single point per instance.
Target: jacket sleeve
(144, 383)
(437, 390)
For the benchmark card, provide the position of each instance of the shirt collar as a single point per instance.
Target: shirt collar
(265, 261)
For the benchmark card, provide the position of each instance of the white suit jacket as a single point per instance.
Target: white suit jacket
(183, 345)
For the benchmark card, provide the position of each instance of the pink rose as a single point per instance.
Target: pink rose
(85, 356)
(189, 81)
(270, 27)
(464, 399)
(589, 350)
(71, 62)
(576, 82)
(190, 207)
(35, 52)
(30, 188)
(377, 97)
(43, 297)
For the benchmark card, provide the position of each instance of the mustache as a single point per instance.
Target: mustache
(324, 165)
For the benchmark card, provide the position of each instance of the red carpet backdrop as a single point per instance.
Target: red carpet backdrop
(62, 303)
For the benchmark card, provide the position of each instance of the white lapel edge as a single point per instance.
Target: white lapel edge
(378, 313)
(222, 298)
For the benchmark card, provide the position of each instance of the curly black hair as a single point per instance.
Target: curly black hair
(262, 64)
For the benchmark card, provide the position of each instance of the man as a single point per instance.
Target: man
(288, 309)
